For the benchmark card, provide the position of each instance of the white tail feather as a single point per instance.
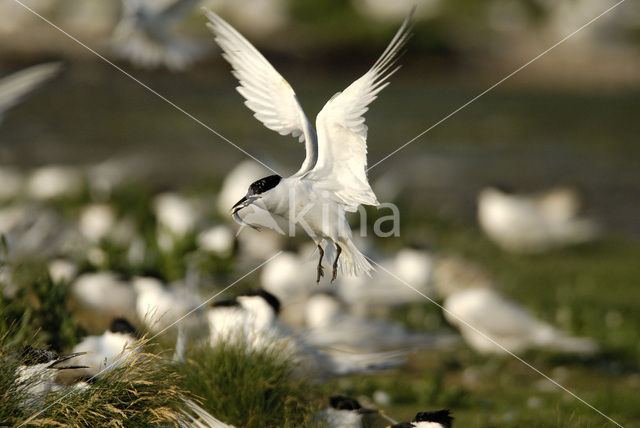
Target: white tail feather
(351, 262)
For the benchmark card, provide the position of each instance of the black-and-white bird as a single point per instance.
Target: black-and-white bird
(36, 375)
(345, 412)
(144, 35)
(435, 419)
(99, 354)
(332, 178)
(16, 86)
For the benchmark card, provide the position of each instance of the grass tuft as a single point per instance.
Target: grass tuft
(250, 389)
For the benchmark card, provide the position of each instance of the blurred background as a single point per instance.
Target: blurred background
(568, 119)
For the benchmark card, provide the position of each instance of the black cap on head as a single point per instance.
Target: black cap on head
(32, 356)
(403, 425)
(226, 303)
(264, 184)
(340, 402)
(121, 325)
(440, 416)
(270, 298)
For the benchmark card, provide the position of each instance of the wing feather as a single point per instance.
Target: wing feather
(266, 92)
(342, 132)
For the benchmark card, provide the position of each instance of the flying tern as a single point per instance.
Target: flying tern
(333, 176)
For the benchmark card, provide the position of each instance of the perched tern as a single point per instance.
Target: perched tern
(345, 412)
(109, 350)
(332, 178)
(37, 374)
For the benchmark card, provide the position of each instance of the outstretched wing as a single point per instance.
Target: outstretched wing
(17, 85)
(342, 133)
(266, 92)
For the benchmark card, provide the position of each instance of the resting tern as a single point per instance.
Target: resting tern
(333, 177)
(37, 374)
(110, 350)
(346, 412)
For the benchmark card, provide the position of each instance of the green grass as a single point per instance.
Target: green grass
(250, 389)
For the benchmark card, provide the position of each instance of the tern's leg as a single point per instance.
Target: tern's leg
(335, 263)
(320, 268)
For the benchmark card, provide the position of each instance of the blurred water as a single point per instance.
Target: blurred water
(531, 138)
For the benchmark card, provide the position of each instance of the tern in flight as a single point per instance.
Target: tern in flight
(333, 176)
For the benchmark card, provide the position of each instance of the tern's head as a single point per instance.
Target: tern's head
(348, 405)
(46, 359)
(122, 326)
(437, 419)
(262, 306)
(258, 190)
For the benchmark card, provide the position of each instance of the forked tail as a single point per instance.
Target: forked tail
(351, 261)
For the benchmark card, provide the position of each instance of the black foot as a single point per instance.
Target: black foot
(320, 268)
(335, 263)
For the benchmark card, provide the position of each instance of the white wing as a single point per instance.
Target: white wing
(266, 92)
(342, 134)
(16, 86)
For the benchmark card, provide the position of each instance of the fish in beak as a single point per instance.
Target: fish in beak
(243, 203)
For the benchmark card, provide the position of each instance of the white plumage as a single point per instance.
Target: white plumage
(533, 223)
(109, 350)
(507, 323)
(332, 178)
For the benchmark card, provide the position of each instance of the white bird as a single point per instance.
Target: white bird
(177, 217)
(331, 325)
(55, 182)
(218, 240)
(250, 321)
(533, 223)
(103, 293)
(436, 419)
(506, 323)
(160, 307)
(332, 178)
(36, 375)
(15, 87)
(345, 412)
(144, 35)
(108, 351)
